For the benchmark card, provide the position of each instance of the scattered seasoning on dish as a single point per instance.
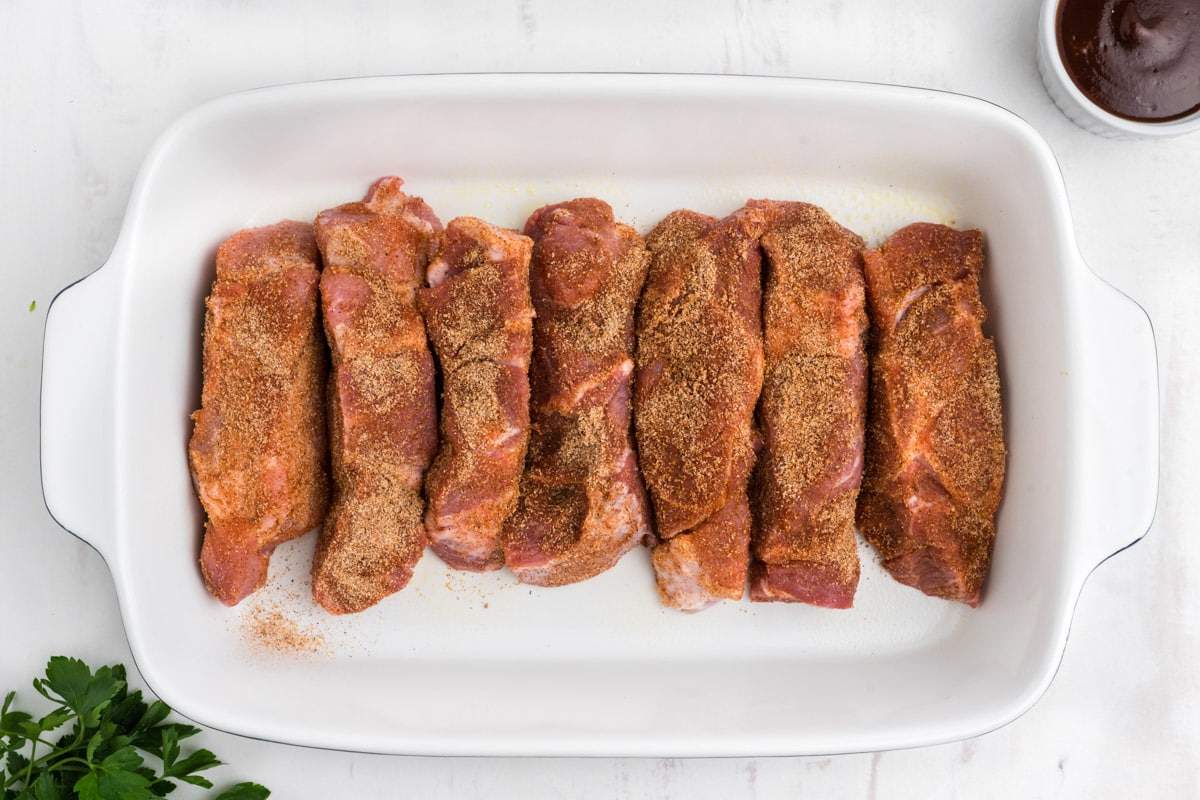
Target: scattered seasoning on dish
(267, 627)
(33, 305)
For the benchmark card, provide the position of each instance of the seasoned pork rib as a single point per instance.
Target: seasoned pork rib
(699, 371)
(478, 314)
(258, 449)
(382, 400)
(582, 503)
(935, 450)
(812, 410)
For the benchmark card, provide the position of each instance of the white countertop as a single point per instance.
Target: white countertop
(85, 89)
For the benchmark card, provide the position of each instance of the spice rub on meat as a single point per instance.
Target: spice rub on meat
(258, 447)
(582, 504)
(812, 410)
(478, 314)
(382, 396)
(935, 452)
(699, 372)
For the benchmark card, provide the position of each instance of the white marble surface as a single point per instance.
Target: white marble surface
(86, 87)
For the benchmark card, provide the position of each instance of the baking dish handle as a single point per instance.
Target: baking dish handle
(78, 407)
(1119, 420)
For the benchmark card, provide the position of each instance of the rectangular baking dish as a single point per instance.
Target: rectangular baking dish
(478, 664)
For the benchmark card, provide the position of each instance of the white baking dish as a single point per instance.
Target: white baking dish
(469, 664)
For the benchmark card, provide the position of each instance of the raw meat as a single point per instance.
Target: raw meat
(382, 396)
(935, 450)
(258, 448)
(582, 503)
(812, 410)
(480, 322)
(699, 372)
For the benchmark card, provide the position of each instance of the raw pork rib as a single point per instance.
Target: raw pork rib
(812, 410)
(699, 371)
(478, 313)
(582, 503)
(935, 450)
(258, 449)
(382, 397)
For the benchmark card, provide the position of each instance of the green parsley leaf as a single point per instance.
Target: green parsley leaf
(73, 683)
(245, 791)
(93, 744)
(12, 722)
(185, 770)
(14, 762)
(115, 778)
(30, 730)
(126, 710)
(169, 750)
(46, 788)
(55, 719)
(152, 716)
(196, 762)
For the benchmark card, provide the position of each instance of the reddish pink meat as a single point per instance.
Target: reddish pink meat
(479, 317)
(582, 503)
(258, 449)
(700, 364)
(382, 401)
(812, 410)
(935, 445)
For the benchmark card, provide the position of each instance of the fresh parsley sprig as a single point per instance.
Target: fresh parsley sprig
(94, 743)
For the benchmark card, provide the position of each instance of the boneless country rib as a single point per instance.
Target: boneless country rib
(935, 450)
(705, 363)
(257, 451)
(479, 318)
(582, 503)
(812, 409)
(382, 402)
(700, 366)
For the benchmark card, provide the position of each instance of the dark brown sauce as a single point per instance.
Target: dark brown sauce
(1138, 59)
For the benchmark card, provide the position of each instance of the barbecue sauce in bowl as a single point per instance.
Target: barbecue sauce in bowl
(1137, 59)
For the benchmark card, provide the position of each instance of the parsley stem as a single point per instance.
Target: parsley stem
(97, 737)
(63, 762)
(47, 762)
(29, 767)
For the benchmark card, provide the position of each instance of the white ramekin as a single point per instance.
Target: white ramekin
(1076, 105)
